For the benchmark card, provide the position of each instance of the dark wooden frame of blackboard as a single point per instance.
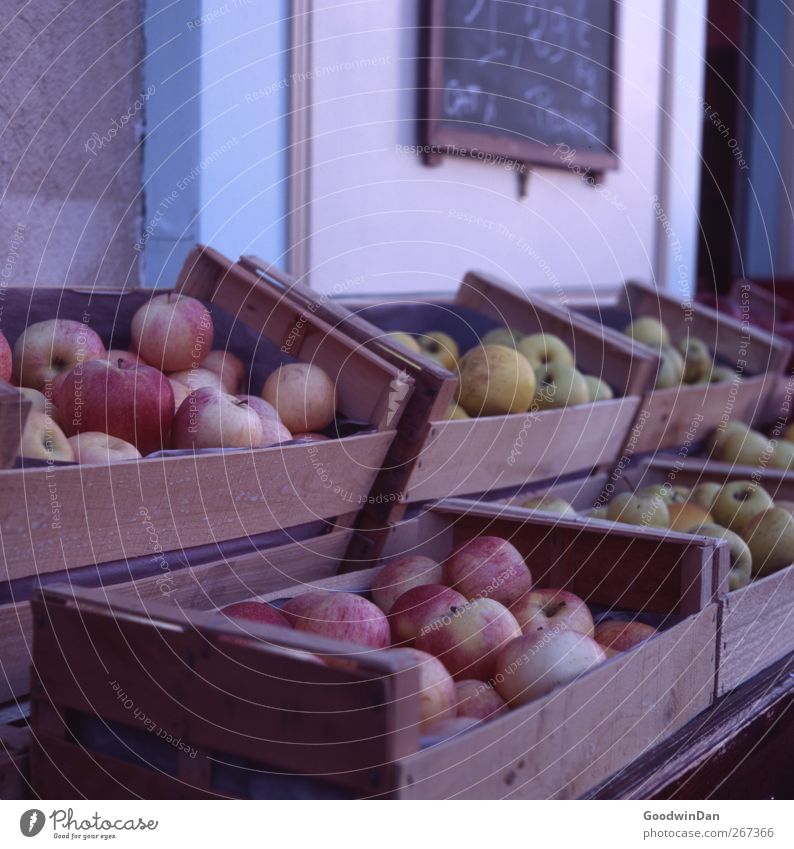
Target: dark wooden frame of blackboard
(439, 141)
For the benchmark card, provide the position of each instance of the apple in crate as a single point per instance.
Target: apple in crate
(467, 639)
(488, 567)
(418, 606)
(741, 558)
(400, 575)
(133, 403)
(273, 430)
(209, 418)
(495, 381)
(255, 611)
(197, 378)
(40, 402)
(738, 502)
(686, 515)
(437, 699)
(542, 349)
(532, 666)
(770, 537)
(344, 616)
(116, 354)
(303, 395)
(42, 439)
(649, 332)
(6, 359)
(228, 366)
(50, 349)
(181, 391)
(172, 332)
(94, 448)
(543, 610)
(478, 699)
(617, 635)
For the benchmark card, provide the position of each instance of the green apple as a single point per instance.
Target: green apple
(542, 349)
(455, 411)
(440, 347)
(698, 361)
(550, 504)
(597, 513)
(782, 455)
(705, 494)
(671, 369)
(748, 449)
(737, 503)
(719, 374)
(667, 493)
(559, 386)
(719, 435)
(502, 336)
(770, 537)
(741, 557)
(646, 510)
(599, 389)
(649, 332)
(495, 381)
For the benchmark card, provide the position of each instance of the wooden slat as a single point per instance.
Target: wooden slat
(14, 762)
(563, 744)
(14, 409)
(107, 513)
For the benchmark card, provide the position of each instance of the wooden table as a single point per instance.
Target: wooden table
(741, 748)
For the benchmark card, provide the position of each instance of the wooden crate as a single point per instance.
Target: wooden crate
(14, 409)
(432, 458)
(757, 621)
(216, 693)
(126, 512)
(14, 762)
(669, 417)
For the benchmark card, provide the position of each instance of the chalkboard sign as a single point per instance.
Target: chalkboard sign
(526, 80)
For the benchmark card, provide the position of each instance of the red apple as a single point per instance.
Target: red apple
(209, 418)
(172, 332)
(532, 666)
(255, 611)
(418, 606)
(94, 448)
(303, 395)
(273, 431)
(547, 609)
(42, 439)
(619, 635)
(401, 575)
(197, 378)
(6, 360)
(488, 567)
(134, 403)
(478, 699)
(116, 354)
(344, 616)
(49, 349)
(228, 366)
(467, 639)
(436, 689)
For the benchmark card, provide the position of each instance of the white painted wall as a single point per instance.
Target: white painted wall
(377, 212)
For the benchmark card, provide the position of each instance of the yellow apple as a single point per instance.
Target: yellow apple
(737, 503)
(645, 510)
(667, 493)
(502, 336)
(550, 504)
(649, 332)
(705, 494)
(406, 340)
(748, 449)
(719, 374)
(559, 386)
(542, 349)
(688, 515)
(495, 381)
(697, 358)
(716, 441)
(788, 506)
(596, 513)
(455, 411)
(671, 369)
(440, 347)
(599, 390)
(42, 439)
(782, 455)
(741, 558)
(770, 537)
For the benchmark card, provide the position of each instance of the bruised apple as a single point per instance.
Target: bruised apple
(495, 381)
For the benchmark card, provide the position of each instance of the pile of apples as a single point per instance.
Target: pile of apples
(759, 531)
(688, 361)
(739, 444)
(510, 372)
(483, 639)
(171, 391)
